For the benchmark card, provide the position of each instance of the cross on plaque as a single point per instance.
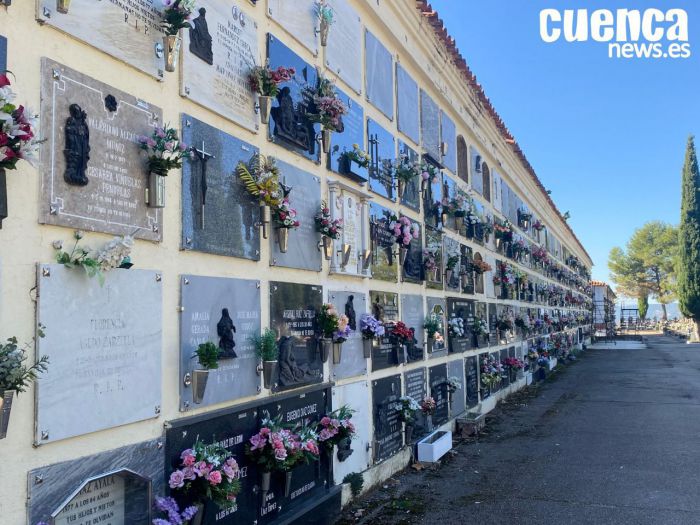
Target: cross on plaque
(204, 157)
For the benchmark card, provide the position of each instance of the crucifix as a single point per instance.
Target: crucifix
(204, 157)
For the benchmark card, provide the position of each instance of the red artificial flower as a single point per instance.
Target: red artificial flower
(4, 80)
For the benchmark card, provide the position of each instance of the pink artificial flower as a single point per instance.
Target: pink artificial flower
(177, 480)
(325, 421)
(4, 80)
(214, 477)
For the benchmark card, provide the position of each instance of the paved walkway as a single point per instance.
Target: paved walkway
(612, 439)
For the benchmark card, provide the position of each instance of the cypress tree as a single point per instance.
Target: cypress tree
(643, 306)
(689, 256)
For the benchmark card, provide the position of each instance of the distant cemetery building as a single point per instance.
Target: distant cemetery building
(603, 307)
(360, 198)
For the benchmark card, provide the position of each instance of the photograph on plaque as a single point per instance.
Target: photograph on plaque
(415, 387)
(288, 125)
(232, 428)
(379, 75)
(352, 359)
(430, 127)
(448, 136)
(385, 351)
(432, 201)
(458, 308)
(94, 174)
(293, 309)
(218, 52)
(437, 306)
(218, 215)
(299, 19)
(411, 192)
(433, 254)
(357, 396)
(113, 486)
(457, 399)
(451, 256)
(104, 345)
(128, 30)
(412, 270)
(407, 104)
(344, 157)
(226, 313)
(384, 261)
(388, 438)
(413, 316)
(381, 149)
(472, 366)
(305, 197)
(437, 382)
(343, 51)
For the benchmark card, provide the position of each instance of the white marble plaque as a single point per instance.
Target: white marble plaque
(104, 347)
(223, 85)
(343, 53)
(99, 501)
(129, 30)
(298, 18)
(356, 396)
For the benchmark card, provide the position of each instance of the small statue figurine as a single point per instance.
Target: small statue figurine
(350, 313)
(77, 151)
(226, 329)
(200, 39)
(378, 310)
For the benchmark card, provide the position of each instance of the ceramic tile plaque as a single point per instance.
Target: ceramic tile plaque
(437, 389)
(128, 30)
(387, 427)
(407, 104)
(412, 314)
(455, 369)
(343, 54)
(379, 75)
(104, 344)
(383, 245)
(352, 362)
(381, 149)
(298, 18)
(293, 310)
(93, 173)
(305, 197)
(357, 397)
(217, 54)
(437, 306)
(218, 215)
(225, 312)
(448, 134)
(353, 133)
(119, 482)
(430, 126)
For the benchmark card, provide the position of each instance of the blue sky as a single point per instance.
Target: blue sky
(606, 135)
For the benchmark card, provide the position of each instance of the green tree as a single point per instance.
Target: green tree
(689, 252)
(647, 265)
(643, 306)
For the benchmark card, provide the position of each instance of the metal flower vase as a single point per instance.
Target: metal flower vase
(265, 104)
(283, 239)
(430, 343)
(287, 483)
(367, 347)
(171, 47)
(408, 429)
(265, 484)
(3, 196)
(323, 32)
(326, 135)
(155, 197)
(198, 518)
(199, 384)
(401, 189)
(269, 369)
(429, 422)
(62, 6)
(337, 353)
(325, 345)
(327, 247)
(403, 253)
(448, 276)
(5, 408)
(265, 218)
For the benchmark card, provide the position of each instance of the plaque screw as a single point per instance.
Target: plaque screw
(157, 409)
(186, 404)
(188, 240)
(257, 285)
(53, 210)
(188, 123)
(46, 272)
(187, 281)
(38, 480)
(274, 262)
(159, 445)
(160, 73)
(159, 277)
(155, 228)
(180, 309)
(47, 12)
(259, 389)
(56, 74)
(187, 90)
(44, 435)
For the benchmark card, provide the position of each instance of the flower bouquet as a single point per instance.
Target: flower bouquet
(433, 327)
(325, 19)
(265, 82)
(371, 329)
(403, 230)
(405, 171)
(329, 228)
(333, 328)
(171, 508)
(456, 327)
(479, 327)
(429, 174)
(260, 177)
(430, 264)
(325, 107)
(408, 408)
(480, 267)
(165, 152)
(428, 407)
(337, 429)
(354, 156)
(177, 15)
(284, 218)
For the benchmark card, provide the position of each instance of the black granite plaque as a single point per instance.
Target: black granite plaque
(381, 148)
(413, 265)
(505, 376)
(438, 391)
(430, 126)
(472, 381)
(379, 75)
(455, 370)
(407, 104)
(218, 215)
(449, 143)
(387, 427)
(383, 244)
(449, 192)
(232, 428)
(436, 305)
(353, 133)
(385, 352)
(481, 312)
(461, 308)
(293, 310)
(411, 195)
(415, 387)
(466, 273)
(492, 319)
(289, 126)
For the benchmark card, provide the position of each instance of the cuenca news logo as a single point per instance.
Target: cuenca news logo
(629, 33)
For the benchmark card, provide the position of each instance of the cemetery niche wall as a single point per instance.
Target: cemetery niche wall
(387, 426)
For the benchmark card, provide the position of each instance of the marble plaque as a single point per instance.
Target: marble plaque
(305, 198)
(298, 18)
(412, 270)
(128, 30)
(415, 387)
(411, 195)
(345, 203)
(458, 398)
(352, 362)
(465, 265)
(104, 344)
(463, 309)
(388, 437)
(218, 215)
(379, 75)
(382, 150)
(232, 428)
(113, 200)
(356, 396)
(433, 243)
(385, 352)
(127, 495)
(448, 134)
(289, 126)
(437, 377)
(432, 202)
(221, 85)
(449, 192)
(343, 55)
(204, 300)
(451, 249)
(412, 314)
(430, 126)
(383, 245)
(437, 306)
(407, 104)
(293, 310)
(472, 381)
(353, 133)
